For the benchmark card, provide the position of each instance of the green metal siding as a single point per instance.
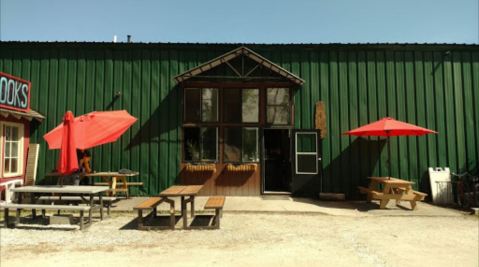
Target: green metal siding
(359, 84)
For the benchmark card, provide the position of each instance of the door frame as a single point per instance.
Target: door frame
(262, 159)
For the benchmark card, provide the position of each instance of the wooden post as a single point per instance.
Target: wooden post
(5, 214)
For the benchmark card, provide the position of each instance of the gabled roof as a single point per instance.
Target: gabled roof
(242, 50)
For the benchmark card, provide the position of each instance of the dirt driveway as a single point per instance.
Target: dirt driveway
(254, 240)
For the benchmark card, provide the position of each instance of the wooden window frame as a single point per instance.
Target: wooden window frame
(21, 140)
(221, 125)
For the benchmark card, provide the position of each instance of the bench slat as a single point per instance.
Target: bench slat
(44, 207)
(120, 184)
(75, 198)
(149, 203)
(215, 202)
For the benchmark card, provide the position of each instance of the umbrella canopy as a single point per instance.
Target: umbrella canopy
(389, 127)
(68, 162)
(93, 129)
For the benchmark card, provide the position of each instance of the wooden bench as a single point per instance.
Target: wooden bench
(215, 203)
(107, 201)
(152, 204)
(43, 208)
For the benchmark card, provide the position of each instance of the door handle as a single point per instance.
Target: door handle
(319, 159)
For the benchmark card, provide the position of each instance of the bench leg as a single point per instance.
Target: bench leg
(34, 214)
(140, 219)
(5, 214)
(81, 220)
(108, 206)
(413, 204)
(217, 218)
(43, 213)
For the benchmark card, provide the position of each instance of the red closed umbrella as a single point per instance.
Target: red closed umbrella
(389, 127)
(68, 162)
(93, 129)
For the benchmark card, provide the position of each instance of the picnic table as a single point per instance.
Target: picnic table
(115, 180)
(392, 189)
(87, 193)
(187, 194)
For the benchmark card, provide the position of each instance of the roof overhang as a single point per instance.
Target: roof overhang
(29, 115)
(225, 58)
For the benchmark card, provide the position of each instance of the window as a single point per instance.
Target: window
(241, 105)
(241, 145)
(201, 105)
(12, 134)
(200, 144)
(306, 153)
(278, 106)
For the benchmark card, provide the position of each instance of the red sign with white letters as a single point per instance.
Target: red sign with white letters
(14, 92)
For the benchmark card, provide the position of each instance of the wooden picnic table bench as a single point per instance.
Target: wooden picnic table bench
(393, 189)
(216, 203)
(152, 204)
(33, 207)
(86, 193)
(107, 201)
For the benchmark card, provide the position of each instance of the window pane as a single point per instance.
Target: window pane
(209, 143)
(232, 105)
(7, 149)
(200, 144)
(278, 96)
(191, 144)
(192, 105)
(307, 163)
(209, 105)
(14, 133)
(14, 166)
(277, 114)
(7, 166)
(250, 105)
(7, 133)
(14, 149)
(250, 144)
(232, 147)
(306, 142)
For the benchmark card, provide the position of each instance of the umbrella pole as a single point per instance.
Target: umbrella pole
(389, 158)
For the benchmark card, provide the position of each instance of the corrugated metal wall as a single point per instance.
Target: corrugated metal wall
(359, 83)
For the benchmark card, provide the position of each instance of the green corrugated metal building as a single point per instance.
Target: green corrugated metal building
(432, 85)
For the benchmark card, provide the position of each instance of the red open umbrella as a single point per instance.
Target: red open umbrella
(68, 162)
(389, 127)
(93, 129)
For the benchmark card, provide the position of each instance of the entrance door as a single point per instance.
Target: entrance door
(276, 161)
(306, 163)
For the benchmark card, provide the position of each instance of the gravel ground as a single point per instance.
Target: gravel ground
(254, 240)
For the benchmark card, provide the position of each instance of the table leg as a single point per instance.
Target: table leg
(192, 207)
(384, 201)
(32, 200)
(113, 186)
(183, 212)
(101, 206)
(91, 209)
(124, 185)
